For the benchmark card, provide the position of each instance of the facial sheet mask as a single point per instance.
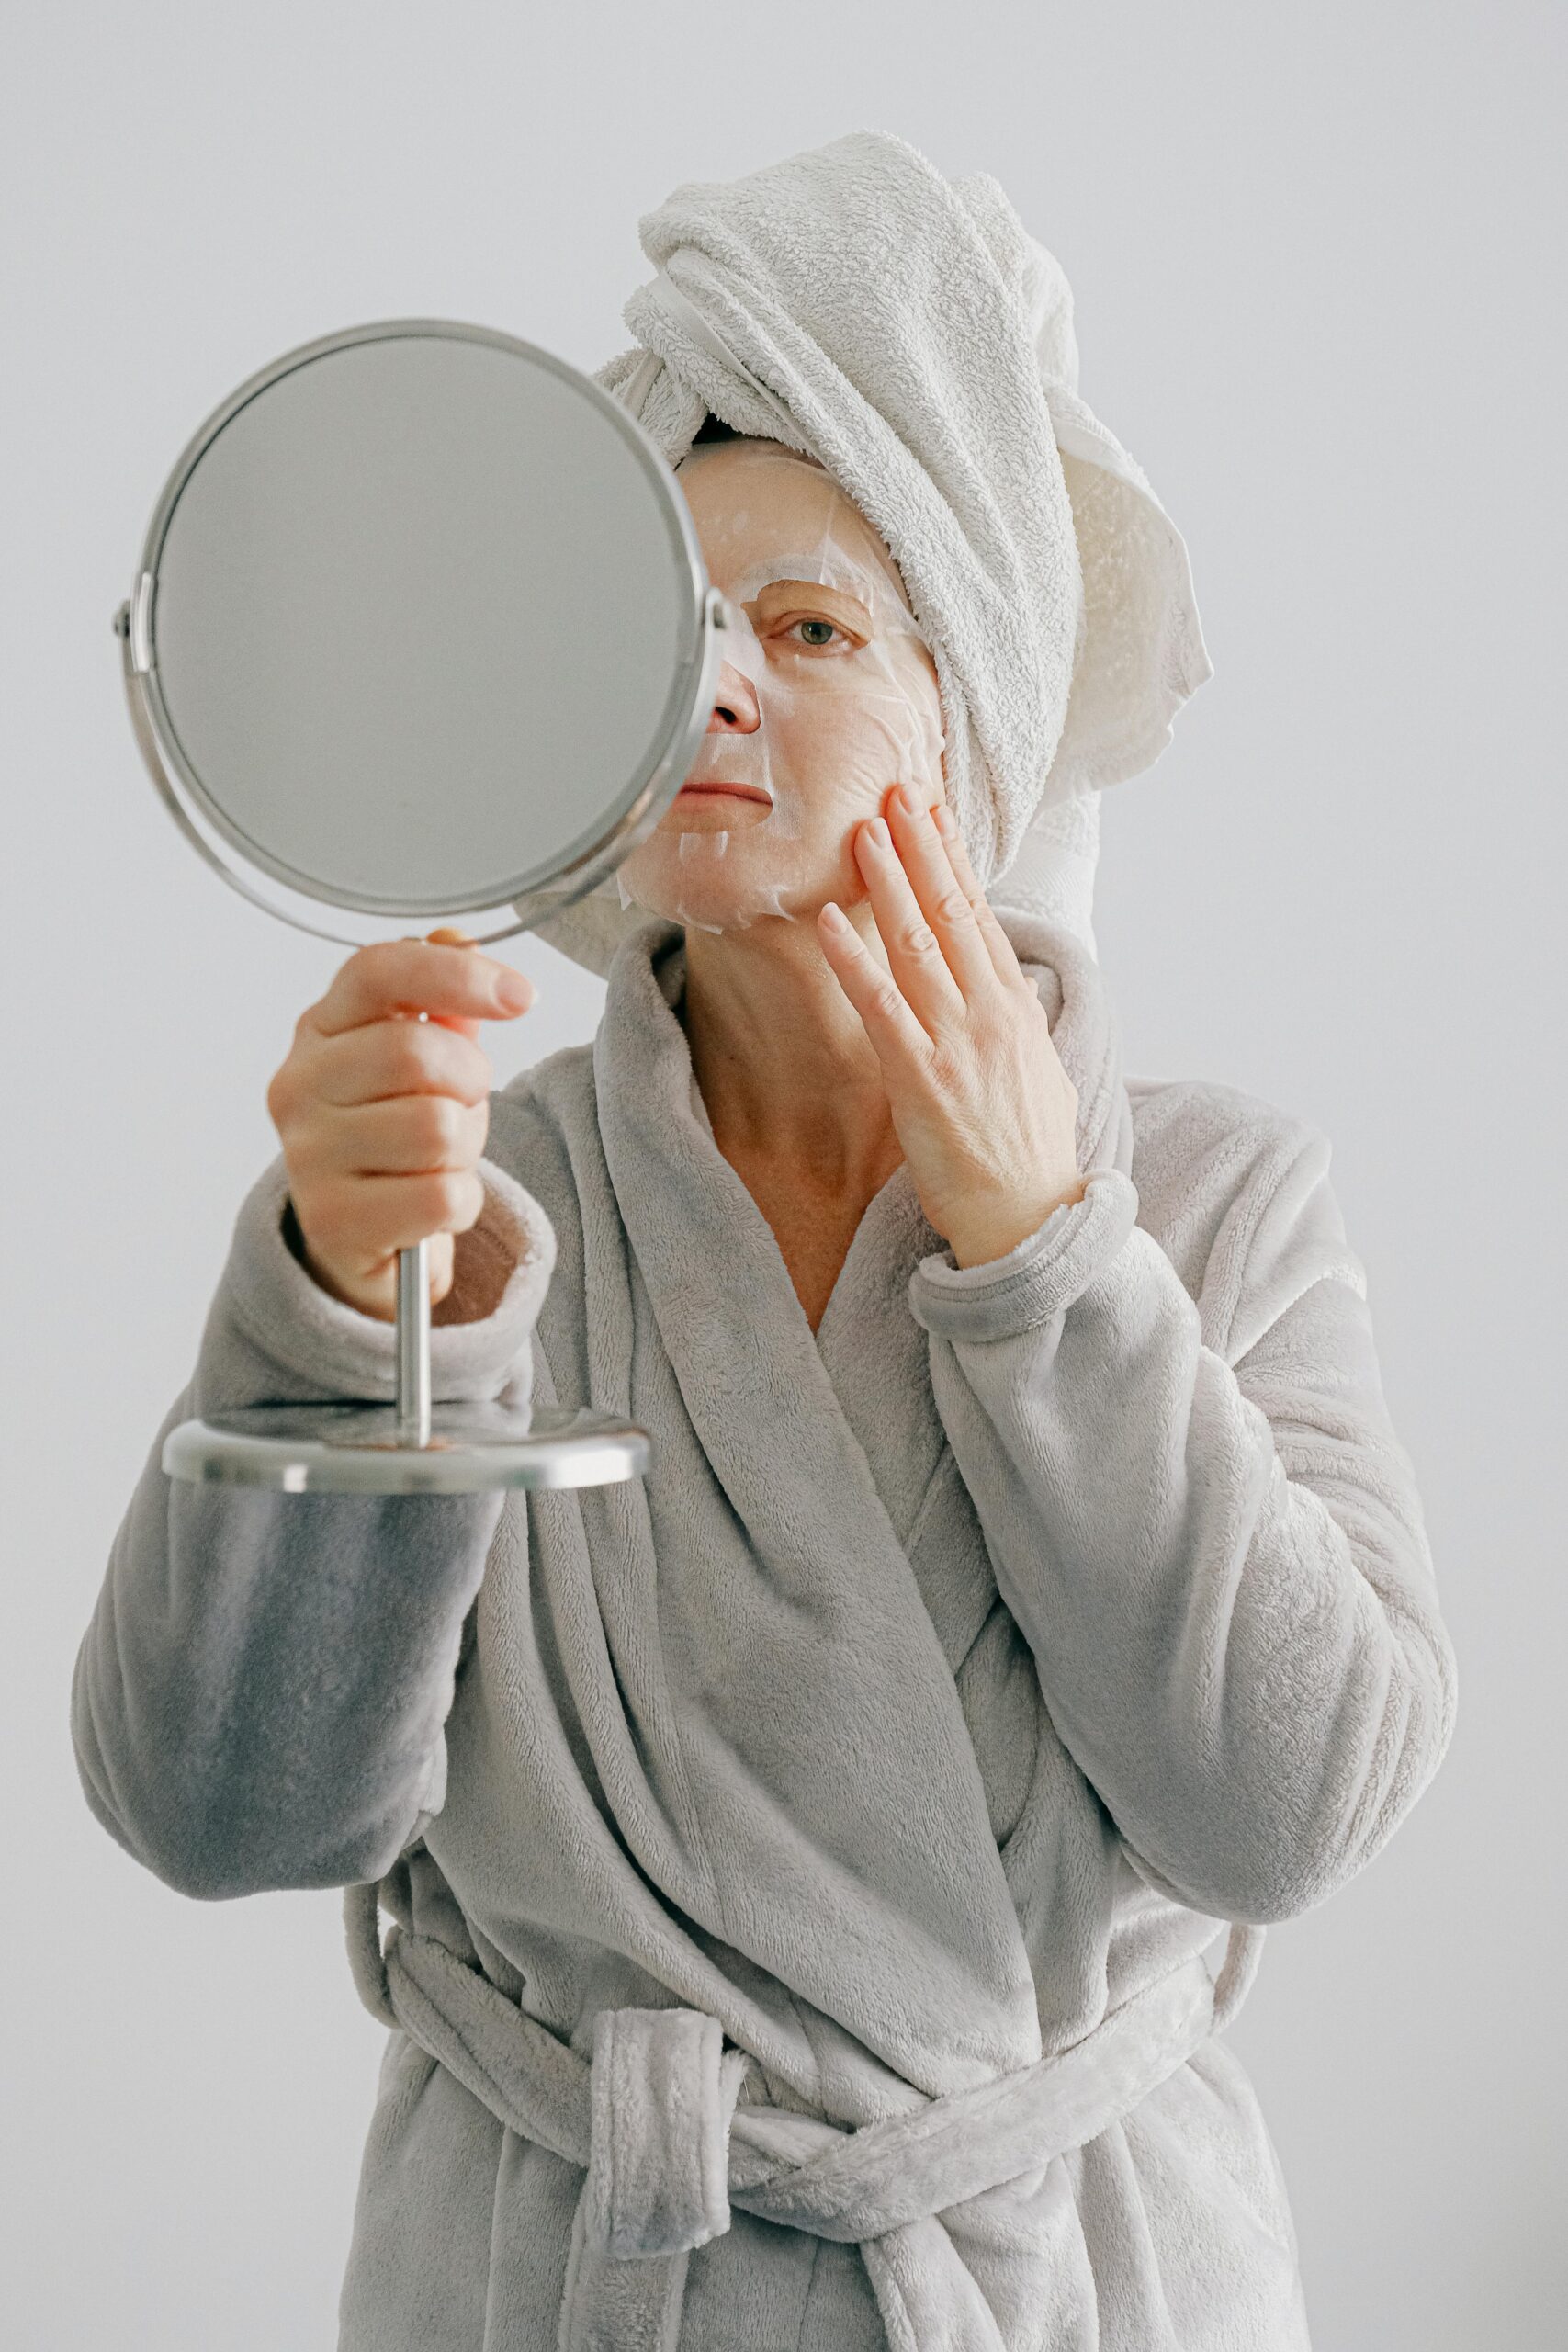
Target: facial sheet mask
(829, 698)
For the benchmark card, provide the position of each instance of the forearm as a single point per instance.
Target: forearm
(1231, 1610)
(259, 1698)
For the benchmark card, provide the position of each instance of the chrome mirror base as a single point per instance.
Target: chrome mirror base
(365, 1449)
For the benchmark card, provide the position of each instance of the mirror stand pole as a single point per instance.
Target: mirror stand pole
(413, 1345)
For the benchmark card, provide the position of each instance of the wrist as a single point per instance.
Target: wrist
(980, 1240)
(1047, 1273)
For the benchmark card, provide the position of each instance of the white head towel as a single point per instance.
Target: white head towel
(906, 332)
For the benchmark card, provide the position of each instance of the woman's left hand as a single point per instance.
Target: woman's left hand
(981, 1104)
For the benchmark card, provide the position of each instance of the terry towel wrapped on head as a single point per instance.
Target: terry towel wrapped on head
(905, 332)
(803, 1861)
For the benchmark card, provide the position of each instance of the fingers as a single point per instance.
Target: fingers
(999, 946)
(944, 901)
(397, 1057)
(409, 1135)
(382, 1107)
(446, 937)
(914, 954)
(413, 975)
(354, 1228)
(889, 1019)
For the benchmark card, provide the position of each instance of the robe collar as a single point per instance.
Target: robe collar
(691, 1221)
(649, 972)
(804, 1467)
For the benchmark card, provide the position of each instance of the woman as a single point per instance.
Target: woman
(803, 1860)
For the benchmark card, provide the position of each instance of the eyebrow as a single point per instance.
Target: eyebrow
(780, 596)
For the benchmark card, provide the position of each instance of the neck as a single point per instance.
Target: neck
(787, 1071)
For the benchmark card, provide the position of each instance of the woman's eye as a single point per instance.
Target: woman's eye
(817, 632)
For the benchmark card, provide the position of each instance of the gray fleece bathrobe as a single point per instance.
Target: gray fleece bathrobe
(803, 1861)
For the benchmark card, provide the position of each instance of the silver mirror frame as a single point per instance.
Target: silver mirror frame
(291, 897)
(414, 1446)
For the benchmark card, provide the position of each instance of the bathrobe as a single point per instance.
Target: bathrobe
(818, 1874)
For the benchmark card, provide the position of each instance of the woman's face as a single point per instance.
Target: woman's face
(828, 698)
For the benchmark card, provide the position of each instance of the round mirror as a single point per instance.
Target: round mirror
(421, 625)
(421, 629)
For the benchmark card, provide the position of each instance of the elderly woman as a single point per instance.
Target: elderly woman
(803, 1864)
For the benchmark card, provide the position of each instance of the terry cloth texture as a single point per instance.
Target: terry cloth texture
(906, 332)
(802, 1862)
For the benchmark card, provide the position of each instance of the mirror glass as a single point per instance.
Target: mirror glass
(424, 621)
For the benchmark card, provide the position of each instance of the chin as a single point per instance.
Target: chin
(713, 901)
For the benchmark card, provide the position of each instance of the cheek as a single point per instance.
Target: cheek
(822, 743)
(842, 751)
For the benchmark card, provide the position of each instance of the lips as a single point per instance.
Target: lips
(725, 791)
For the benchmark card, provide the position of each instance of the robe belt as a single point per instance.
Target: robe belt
(655, 2121)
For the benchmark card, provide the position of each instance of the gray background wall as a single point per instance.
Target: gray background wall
(1316, 254)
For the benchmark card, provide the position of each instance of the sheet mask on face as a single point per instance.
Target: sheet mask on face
(828, 696)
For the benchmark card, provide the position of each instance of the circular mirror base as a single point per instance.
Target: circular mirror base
(358, 1450)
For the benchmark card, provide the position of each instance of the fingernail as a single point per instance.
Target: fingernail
(835, 917)
(512, 993)
(944, 821)
(910, 795)
(879, 833)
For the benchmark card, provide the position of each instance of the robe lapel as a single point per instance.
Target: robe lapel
(821, 1737)
(775, 1729)
(874, 1353)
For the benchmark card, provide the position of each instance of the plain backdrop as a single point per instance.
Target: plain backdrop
(1317, 256)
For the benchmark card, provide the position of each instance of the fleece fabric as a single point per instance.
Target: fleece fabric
(803, 1860)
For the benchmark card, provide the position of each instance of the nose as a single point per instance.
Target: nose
(736, 710)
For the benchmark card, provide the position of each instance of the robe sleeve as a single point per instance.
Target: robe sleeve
(259, 1698)
(1216, 1553)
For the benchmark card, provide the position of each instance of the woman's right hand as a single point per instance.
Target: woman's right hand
(383, 1116)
